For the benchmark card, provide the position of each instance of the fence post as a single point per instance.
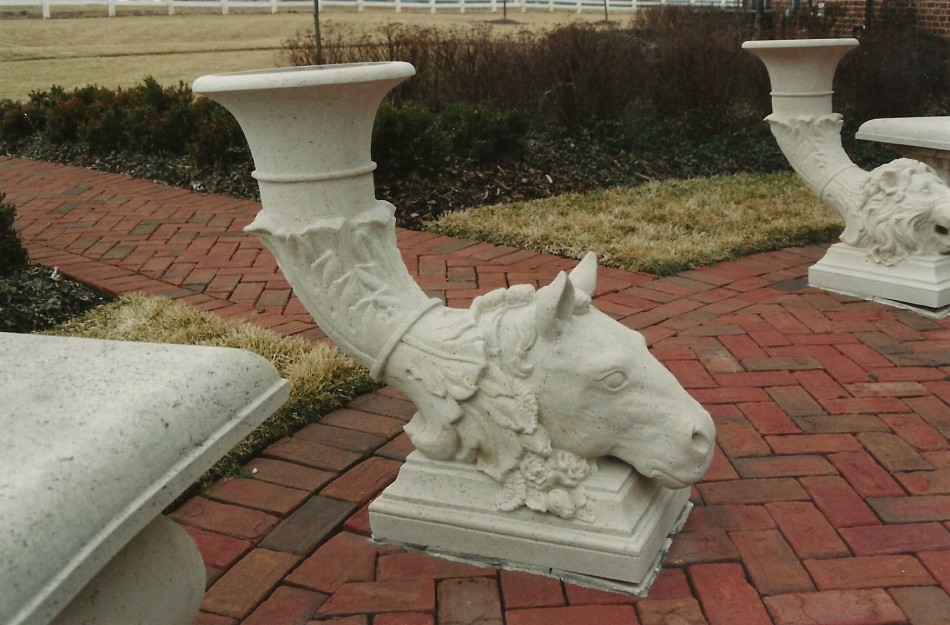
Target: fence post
(224, 7)
(432, 7)
(462, 6)
(171, 7)
(398, 6)
(46, 14)
(494, 6)
(551, 6)
(273, 7)
(111, 8)
(524, 5)
(359, 6)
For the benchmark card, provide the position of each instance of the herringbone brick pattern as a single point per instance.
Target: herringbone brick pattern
(828, 500)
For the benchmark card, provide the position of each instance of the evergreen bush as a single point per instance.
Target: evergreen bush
(31, 298)
(13, 256)
(409, 140)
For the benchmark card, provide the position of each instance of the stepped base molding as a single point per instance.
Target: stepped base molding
(920, 283)
(448, 509)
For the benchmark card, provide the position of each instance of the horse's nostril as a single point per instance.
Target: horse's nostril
(700, 440)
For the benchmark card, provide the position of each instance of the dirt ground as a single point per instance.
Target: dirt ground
(78, 48)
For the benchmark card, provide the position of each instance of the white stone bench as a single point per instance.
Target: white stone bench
(98, 438)
(926, 139)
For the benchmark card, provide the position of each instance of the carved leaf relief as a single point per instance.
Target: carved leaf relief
(514, 493)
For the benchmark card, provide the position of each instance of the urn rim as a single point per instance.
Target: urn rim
(782, 44)
(303, 76)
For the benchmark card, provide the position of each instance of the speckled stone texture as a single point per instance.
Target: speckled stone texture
(99, 437)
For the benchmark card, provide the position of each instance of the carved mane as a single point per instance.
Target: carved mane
(897, 210)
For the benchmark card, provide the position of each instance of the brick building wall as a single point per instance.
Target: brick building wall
(845, 17)
(934, 16)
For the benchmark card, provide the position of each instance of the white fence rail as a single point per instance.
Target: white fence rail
(397, 5)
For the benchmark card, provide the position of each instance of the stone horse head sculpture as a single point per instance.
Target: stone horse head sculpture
(532, 386)
(560, 384)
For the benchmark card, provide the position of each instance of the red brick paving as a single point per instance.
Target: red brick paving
(828, 501)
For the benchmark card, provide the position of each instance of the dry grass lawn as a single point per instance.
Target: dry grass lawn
(120, 51)
(659, 227)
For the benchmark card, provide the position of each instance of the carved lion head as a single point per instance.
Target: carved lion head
(905, 210)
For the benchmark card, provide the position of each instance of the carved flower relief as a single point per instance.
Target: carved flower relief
(568, 504)
(551, 484)
(571, 470)
(538, 472)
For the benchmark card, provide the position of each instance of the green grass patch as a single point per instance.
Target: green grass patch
(322, 378)
(659, 227)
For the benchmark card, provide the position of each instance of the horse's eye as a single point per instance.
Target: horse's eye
(614, 381)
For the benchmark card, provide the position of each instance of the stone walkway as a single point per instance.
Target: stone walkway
(828, 501)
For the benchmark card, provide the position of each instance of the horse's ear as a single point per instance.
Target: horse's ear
(555, 306)
(584, 276)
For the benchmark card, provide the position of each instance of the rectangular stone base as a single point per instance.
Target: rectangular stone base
(449, 508)
(917, 281)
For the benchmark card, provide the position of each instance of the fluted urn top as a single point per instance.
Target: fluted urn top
(801, 72)
(309, 125)
(296, 77)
